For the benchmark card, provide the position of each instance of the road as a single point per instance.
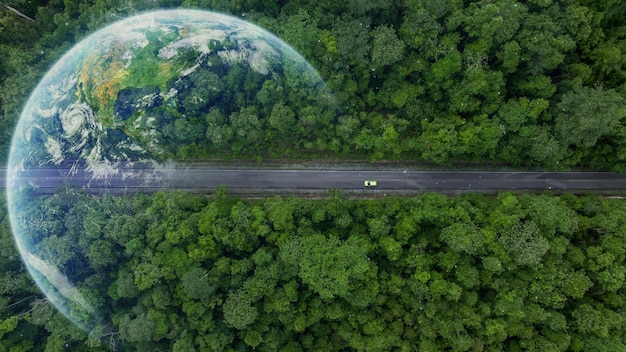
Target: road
(310, 180)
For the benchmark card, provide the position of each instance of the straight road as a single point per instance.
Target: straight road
(350, 180)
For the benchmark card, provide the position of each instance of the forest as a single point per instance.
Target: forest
(535, 84)
(538, 83)
(180, 272)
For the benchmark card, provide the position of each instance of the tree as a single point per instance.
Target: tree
(463, 238)
(439, 141)
(586, 115)
(184, 344)
(353, 40)
(101, 253)
(518, 112)
(392, 248)
(576, 284)
(510, 56)
(543, 43)
(8, 325)
(238, 310)
(262, 283)
(147, 275)
(492, 264)
(420, 28)
(188, 130)
(378, 226)
(218, 132)
(280, 213)
(282, 119)
(590, 321)
(233, 230)
(481, 136)
(608, 62)
(332, 267)
(196, 283)
(347, 127)
(387, 48)
(139, 329)
(551, 214)
(524, 243)
(246, 127)
(445, 69)
(494, 23)
(612, 279)
(253, 338)
(544, 148)
(300, 30)
(124, 286)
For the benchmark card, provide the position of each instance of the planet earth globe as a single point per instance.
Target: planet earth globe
(138, 95)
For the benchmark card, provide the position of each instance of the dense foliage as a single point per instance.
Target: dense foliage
(472, 273)
(539, 83)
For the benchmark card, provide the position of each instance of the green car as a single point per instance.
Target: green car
(370, 183)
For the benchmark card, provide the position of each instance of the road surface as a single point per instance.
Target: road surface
(310, 180)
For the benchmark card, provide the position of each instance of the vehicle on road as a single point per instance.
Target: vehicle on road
(369, 183)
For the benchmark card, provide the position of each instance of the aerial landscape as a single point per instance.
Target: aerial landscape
(369, 175)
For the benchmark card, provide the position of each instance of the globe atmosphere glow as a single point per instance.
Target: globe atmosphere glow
(139, 94)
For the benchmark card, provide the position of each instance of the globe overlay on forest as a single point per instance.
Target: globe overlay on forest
(124, 105)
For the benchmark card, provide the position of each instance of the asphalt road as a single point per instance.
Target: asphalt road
(309, 180)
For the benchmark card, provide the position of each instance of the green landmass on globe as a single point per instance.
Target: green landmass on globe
(169, 85)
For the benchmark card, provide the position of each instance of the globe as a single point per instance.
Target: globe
(151, 91)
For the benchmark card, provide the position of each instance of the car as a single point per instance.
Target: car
(369, 183)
